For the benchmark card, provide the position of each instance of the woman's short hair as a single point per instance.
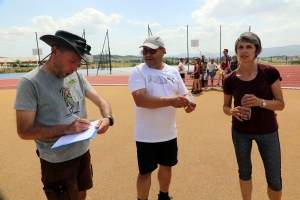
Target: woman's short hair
(251, 38)
(181, 59)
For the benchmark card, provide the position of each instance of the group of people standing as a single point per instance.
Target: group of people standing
(46, 110)
(203, 70)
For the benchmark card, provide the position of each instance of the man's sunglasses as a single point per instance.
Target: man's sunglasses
(81, 46)
(151, 51)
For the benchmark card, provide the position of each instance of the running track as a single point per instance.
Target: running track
(290, 79)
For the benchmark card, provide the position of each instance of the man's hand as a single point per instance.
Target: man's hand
(190, 108)
(78, 126)
(179, 102)
(103, 125)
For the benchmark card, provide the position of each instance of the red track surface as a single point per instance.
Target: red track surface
(290, 78)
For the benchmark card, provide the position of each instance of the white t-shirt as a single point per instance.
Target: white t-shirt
(156, 125)
(183, 68)
(211, 66)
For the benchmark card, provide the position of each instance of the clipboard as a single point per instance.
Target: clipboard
(77, 137)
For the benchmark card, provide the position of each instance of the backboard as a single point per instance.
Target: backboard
(35, 52)
(195, 43)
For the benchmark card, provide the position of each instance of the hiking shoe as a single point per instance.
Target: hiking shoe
(169, 198)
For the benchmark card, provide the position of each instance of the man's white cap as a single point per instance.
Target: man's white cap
(153, 42)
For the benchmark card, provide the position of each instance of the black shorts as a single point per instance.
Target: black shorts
(196, 76)
(182, 75)
(151, 154)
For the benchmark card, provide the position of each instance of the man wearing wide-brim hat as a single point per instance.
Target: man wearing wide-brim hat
(50, 103)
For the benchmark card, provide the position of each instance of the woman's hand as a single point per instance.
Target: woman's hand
(239, 112)
(250, 100)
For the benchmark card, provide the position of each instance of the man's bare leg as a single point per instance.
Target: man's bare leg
(143, 184)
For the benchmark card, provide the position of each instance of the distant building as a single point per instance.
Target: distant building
(10, 62)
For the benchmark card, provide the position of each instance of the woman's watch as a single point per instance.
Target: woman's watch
(111, 120)
(263, 103)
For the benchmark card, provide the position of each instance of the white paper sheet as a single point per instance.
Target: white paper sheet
(77, 137)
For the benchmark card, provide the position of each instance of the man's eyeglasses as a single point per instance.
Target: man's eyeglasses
(151, 51)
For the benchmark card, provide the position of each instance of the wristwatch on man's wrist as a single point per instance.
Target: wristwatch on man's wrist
(263, 103)
(111, 120)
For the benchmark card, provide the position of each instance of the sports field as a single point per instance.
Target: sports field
(207, 169)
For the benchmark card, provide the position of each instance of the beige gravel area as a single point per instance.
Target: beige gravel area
(207, 168)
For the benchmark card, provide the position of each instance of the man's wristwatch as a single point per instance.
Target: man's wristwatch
(263, 103)
(111, 120)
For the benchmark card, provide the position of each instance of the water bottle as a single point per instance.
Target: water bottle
(73, 85)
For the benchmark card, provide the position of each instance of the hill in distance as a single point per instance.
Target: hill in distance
(291, 50)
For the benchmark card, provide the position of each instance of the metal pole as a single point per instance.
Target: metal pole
(109, 56)
(187, 45)
(37, 44)
(249, 28)
(101, 53)
(220, 43)
(87, 65)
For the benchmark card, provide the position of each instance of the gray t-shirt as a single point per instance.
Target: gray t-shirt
(50, 98)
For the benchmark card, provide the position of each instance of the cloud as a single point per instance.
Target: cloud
(90, 18)
(276, 22)
(220, 10)
(24, 37)
(143, 24)
(137, 23)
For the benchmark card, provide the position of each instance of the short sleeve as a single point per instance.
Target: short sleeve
(86, 85)
(274, 74)
(182, 90)
(26, 97)
(271, 73)
(136, 80)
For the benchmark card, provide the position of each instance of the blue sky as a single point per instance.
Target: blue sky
(275, 21)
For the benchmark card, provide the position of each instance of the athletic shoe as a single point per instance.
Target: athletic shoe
(169, 198)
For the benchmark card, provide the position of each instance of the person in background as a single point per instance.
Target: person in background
(233, 64)
(51, 103)
(196, 74)
(225, 54)
(223, 69)
(157, 90)
(181, 69)
(212, 68)
(200, 71)
(205, 75)
(201, 64)
(256, 93)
